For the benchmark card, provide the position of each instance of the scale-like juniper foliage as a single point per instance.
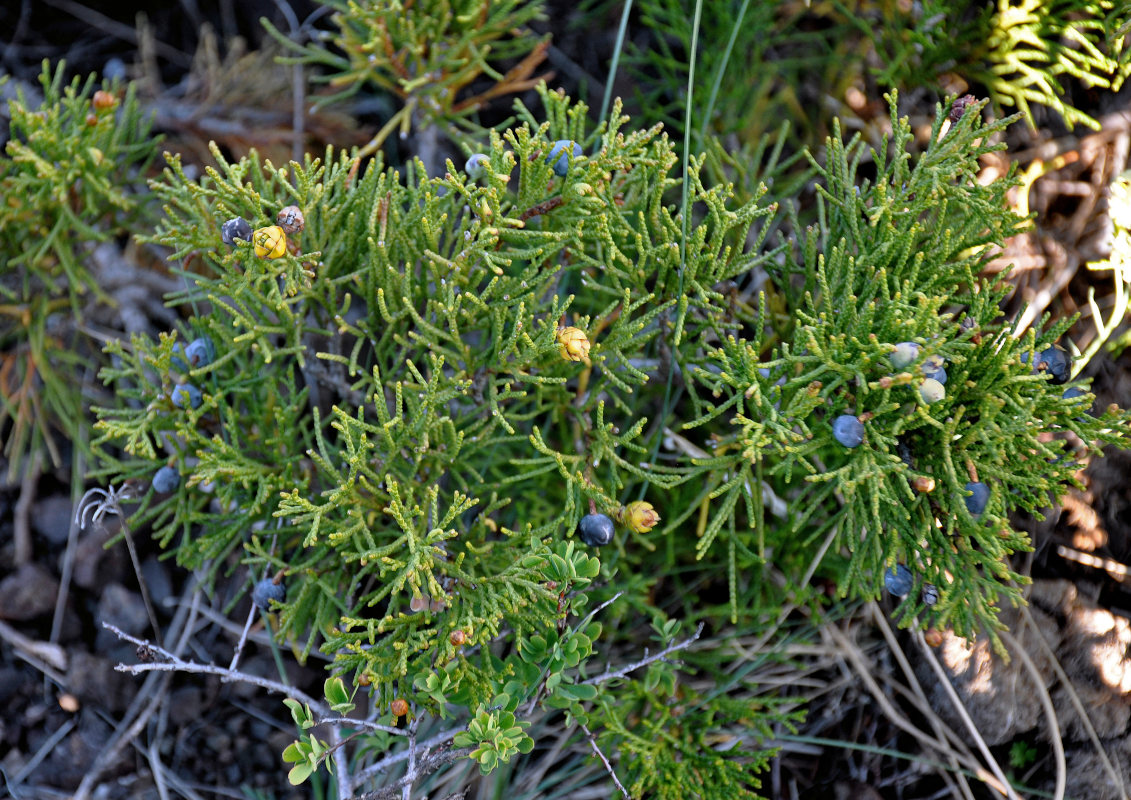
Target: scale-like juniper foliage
(397, 423)
(66, 178)
(897, 258)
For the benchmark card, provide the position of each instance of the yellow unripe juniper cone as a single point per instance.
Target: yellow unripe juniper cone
(573, 344)
(639, 516)
(269, 242)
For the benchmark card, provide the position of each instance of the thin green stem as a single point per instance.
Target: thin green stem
(617, 48)
(721, 72)
(684, 218)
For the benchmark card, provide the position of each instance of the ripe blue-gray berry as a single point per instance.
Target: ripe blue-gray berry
(904, 354)
(933, 368)
(560, 151)
(596, 530)
(476, 166)
(235, 228)
(166, 480)
(848, 430)
(265, 591)
(200, 352)
(979, 496)
(904, 451)
(1056, 363)
(897, 580)
(179, 360)
(930, 594)
(931, 391)
(186, 393)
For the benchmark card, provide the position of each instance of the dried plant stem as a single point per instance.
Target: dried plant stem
(1116, 777)
(608, 767)
(243, 638)
(937, 725)
(1050, 712)
(620, 673)
(141, 580)
(21, 531)
(426, 766)
(147, 701)
(172, 663)
(944, 681)
(849, 650)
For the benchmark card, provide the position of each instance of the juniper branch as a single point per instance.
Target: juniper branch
(172, 663)
(660, 656)
(425, 766)
(608, 767)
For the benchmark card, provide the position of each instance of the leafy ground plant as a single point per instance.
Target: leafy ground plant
(71, 161)
(422, 384)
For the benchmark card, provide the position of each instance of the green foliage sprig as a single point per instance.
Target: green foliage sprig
(440, 59)
(394, 425)
(1021, 51)
(390, 421)
(68, 176)
(898, 258)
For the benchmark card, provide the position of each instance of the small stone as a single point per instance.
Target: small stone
(51, 518)
(27, 593)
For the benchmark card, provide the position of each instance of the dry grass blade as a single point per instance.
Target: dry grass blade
(1050, 712)
(1113, 773)
(937, 725)
(1004, 787)
(851, 652)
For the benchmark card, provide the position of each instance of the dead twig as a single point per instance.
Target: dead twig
(1050, 712)
(660, 656)
(608, 767)
(173, 663)
(21, 531)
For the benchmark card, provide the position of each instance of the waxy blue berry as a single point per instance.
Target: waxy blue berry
(933, 368)
(200, 352)
(904, 451)
(179, 361)
(560, 151)
(235, 228)
(904, 354)
(476, 166)
(848, 430)
(898, 580)
(596, 529)
(166, 480)
(265, 591)
(978, 498)
(931, 391)
(186, 393)
(1056, 363)
(930, 594)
